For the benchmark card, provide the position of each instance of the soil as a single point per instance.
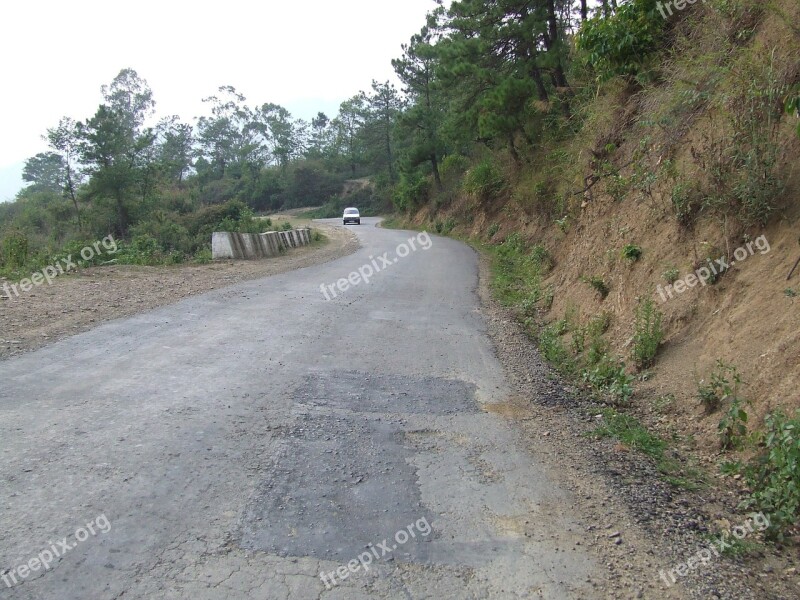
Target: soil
(81, 300)
(642, 525)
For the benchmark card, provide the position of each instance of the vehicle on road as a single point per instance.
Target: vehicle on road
(351, 215)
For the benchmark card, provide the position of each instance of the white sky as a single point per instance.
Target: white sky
(305, 55)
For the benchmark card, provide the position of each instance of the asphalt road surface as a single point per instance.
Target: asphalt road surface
(240, 443)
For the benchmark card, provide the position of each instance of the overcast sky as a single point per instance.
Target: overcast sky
(306, 56)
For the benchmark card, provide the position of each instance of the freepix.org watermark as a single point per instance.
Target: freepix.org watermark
(45, 558)
(665, 8)
(378, 551)
(714, 268)
(50, 272)
(756, 521)
(376, 265)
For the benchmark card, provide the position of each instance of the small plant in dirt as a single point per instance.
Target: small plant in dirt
(563, 223)
(608, 376)
(648, 334)
(791, 293)
(599, 285)
(631, 252)
(722, 385)
(552, 348)
(663, 404)
(733, 427)
(492, 231)
(671, 275)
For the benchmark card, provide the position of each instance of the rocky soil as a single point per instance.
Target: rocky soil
(641, 523)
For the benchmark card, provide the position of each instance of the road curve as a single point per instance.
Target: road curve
(241, 443)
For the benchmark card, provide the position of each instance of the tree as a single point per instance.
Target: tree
(65, 139)
(416, 69)
(232, 135)
(176, 146)
(116, 147)
(383, 107)
(320, 138)
(348, 125)
(45, 171)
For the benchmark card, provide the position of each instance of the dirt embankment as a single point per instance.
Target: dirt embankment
(79, 301)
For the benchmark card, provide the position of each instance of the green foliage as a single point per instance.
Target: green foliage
(648, 334)
(793, 107)
(671, 275)
(620, 44)
(608, 376)
(411, 192)
(484, 181)
(492, 231)
(632, 433)
(444, 227)
(617, 187)
(684, 202)
(631, 252)
(733, 427)
(723, 384)
(553, 349)
(774, 474)
(15, 248)
(518, 272)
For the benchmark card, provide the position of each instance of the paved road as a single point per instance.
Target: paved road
(240, 443)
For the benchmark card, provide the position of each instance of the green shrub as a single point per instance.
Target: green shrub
(411, 192)
(774, 475)
(671, 275)
(685, 203)
(15, 250)
(492, 231)
(733, 427)
(723, 384)
(608, 375)
(631, 252)
(648, 334)
(484, 181)
(620, 44)
(552, 348)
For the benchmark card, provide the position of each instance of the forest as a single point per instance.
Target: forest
(477, 79)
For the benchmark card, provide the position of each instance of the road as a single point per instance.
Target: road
(240, 443)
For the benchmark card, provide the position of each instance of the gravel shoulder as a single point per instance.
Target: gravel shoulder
(80, 301)
(639, 523)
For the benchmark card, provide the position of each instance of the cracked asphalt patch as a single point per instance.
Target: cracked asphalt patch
(344, 479)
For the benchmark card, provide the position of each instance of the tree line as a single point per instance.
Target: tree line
(479, 76)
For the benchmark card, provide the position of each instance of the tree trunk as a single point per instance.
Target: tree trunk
(71, 189)
(584, 10)
(541, 90)
(436, 176)
(513, 149)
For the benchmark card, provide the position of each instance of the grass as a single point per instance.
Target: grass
(648, 334)
(629, 431)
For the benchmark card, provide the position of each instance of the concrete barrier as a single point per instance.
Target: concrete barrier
(226, 244)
